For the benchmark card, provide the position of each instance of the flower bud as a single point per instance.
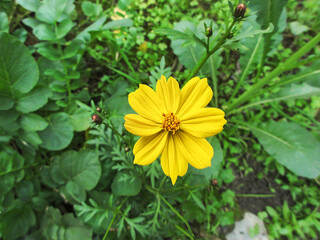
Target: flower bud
(240, 11)
(99, 109)
(208, 32)
(127, 149)
(214, 182)
(97, 119)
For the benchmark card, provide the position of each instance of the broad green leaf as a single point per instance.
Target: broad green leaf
(7, 117)
(291, 145)
(64, 227)
(25, 190)
(190, 53)
(295, 91)
(32, 122)
(21, 34)
(203, 176)
(31, 5)
(45, 32)
(30, 137)
(80, 119)
(81, 167)
(64, 28)
(52, 11)
(19, 72)
(58, 134)
(47, 50)
(74, 192)
(16, 222)
(91, 9)
(6, 103)
(33, 100)
(4, 23)
(126, 185)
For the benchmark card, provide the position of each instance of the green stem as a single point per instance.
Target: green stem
(116, 212)
(256, 195)
(205, 57)
(276, 72)
(178, 214)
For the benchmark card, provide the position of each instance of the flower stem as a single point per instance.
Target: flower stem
(178, 214)
(205, 57)
(276, 72)
(116, 211)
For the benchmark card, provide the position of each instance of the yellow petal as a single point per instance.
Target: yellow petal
(195, 94)
(146, 103)
(172, 160)
(148, 149)
(198, 152)
(203, 122)
(169, 93)
(141, 126)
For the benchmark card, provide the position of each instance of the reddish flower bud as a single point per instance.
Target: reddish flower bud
(214, 182)
(97, 119)
(240, 11)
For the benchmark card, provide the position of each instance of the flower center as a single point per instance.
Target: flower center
(170, 122)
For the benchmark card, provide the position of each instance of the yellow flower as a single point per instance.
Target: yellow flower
(174, 124)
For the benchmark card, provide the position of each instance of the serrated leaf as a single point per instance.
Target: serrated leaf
(291, 145)
(58, 134)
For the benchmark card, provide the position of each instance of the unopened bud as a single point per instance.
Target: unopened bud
(99, 109)
(97, 119)
(240, 11)
(208, 32)
(127, 149)
(214, 182)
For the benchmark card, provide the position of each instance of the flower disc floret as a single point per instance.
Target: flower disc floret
(170, 122)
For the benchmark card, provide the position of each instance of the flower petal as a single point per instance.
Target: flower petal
(146, 103)
(148, 149)
(198, 152)
(169, 93)
(195, 94)
(203, 122)
(172, 161)
(141, 126)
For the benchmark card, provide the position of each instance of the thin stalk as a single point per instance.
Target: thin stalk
(246, 70)
(178, 214)
(205, 57)
(116, 212)
(256, 195)
(276, 72)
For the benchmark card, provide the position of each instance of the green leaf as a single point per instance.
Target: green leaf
(64, 28)
(81, 167)
(47, 50)
(19, 72)
(290, 92)
(30, 137)
(25, 190)
(7, 117)
(58, 134)
(291, 145)
(126, 185)
(21, 34)
(84, 36)
(203, 176)
(126, 22)
(6, 103)
(31, 5)
(190, 53)
(52, 11)
(297, 28)
(4, 23)
(32, 122)
(10, 163)
(33, 100)
(91, 9)
(64, 227)
(16, 223)
(80, 119)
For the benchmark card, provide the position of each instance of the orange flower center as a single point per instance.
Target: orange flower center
(170, 122)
